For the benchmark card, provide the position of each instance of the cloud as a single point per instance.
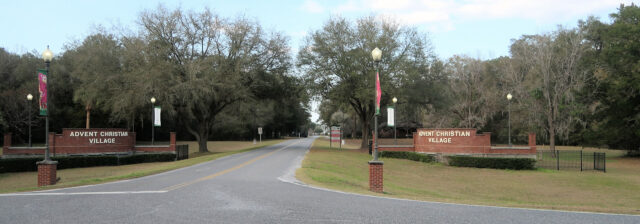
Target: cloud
(312, 7)
(350, 6)
(445, 13)
(298, 34)
(541, 11)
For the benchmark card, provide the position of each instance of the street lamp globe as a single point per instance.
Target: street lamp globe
(395, 100)
(153, 100)
(29, 97)
(376, 54)
(47, 55)
(509, 96)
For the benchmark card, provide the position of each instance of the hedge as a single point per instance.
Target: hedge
(425, 158)
(494, 163)
(65, 162)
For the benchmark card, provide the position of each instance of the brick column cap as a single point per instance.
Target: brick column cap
(45, 162)
(376, 162)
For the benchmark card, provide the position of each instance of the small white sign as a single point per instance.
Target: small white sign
(390, 117)
(260, 130)
(156, 116)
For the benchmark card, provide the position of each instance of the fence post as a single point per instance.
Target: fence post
(557, 159)
(604, 161)
(580, 160)
(594, 160)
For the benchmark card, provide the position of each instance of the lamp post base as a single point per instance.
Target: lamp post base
(376, 176)
(47, 174)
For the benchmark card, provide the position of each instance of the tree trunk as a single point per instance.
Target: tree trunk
(365, 137)
(353, 130)
(203, 133)
(365, 133)
(88, 108)
(202, 145)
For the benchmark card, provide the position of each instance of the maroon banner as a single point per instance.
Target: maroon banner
(378, 93)
(42, 84)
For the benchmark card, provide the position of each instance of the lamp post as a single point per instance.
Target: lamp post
(47, 56)
(509, 96)
(254, 127)
(153, 119)
(29, 98)
(47, 169)
(375, 166)
(341, 127)
(395, 140)
(376, 55)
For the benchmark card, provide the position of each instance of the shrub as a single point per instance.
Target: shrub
(66, 162)
(425, 158)
(147, 158)
(494, 163)
(18, 164)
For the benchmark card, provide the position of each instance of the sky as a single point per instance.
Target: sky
(477, 28)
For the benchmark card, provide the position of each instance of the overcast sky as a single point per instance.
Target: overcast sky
(478, 28)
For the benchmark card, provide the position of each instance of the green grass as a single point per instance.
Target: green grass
(614, 192)
(26, 181)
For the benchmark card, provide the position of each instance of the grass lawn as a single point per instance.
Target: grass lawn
(223, 146)
(347, 170)
(27, 181)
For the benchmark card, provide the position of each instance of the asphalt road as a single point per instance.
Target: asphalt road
(252, 187)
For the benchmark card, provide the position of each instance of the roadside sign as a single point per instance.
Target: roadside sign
(260, 130)
(156, 116)
(335, 136)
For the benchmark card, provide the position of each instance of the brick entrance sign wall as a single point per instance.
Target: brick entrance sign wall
(89, 141)
(451, 141)
(78, 141)
(462, 141)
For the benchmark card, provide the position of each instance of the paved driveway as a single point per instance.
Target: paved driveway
(252, 187)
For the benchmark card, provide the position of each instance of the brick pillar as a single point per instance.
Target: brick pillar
(47, 173)
(375, 176)
(172, 141)
(415, 142)
(532, 142)
(7, 141)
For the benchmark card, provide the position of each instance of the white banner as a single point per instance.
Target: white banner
(390, 117)
(156, 116)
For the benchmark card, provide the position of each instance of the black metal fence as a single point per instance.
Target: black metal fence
(571, 160)
(182, 152)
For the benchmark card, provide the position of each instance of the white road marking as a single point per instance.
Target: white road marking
(82, 193)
